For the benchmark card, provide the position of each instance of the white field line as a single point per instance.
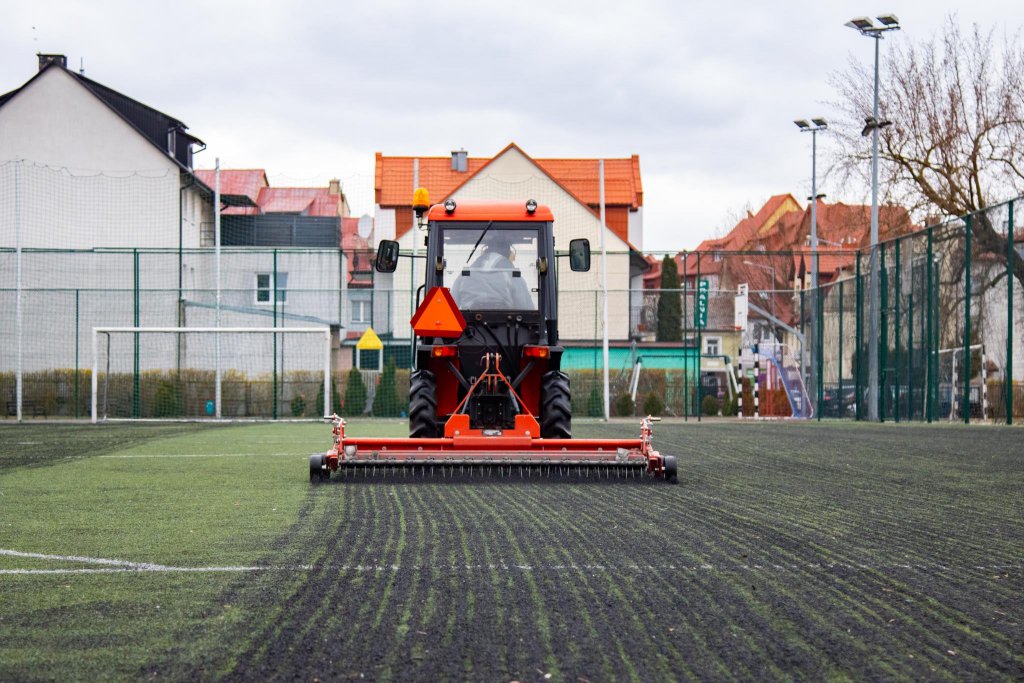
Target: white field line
(120, 566)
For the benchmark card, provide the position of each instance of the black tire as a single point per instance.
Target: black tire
(555, 406)
(423, 405)
(671, 471)
(317, 471)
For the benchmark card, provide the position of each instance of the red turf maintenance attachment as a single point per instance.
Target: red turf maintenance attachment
(466, 451)
(488, 391)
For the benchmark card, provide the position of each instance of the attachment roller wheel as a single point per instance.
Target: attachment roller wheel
(671, 471)
(317, 470)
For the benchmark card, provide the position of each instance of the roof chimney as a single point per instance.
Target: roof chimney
(47, 60)
(460, 160)
(334, 186)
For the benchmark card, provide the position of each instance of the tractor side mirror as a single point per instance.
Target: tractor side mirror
(579, 255)
(387, 256)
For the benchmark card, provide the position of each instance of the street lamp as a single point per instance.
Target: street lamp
(866, 27)
(816, 126)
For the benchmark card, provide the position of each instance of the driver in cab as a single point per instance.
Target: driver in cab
(492, 281)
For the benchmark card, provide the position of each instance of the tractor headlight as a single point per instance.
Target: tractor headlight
(531, 205)
(449, 206)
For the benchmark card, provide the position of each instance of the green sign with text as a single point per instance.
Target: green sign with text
(700, 311)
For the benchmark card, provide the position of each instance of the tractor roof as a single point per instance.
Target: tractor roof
(469, 210)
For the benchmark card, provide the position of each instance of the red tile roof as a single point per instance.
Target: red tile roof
(743, 236)
(239, 181)
(393, 182)
(393, 178)
(831, 261)
(309, 201)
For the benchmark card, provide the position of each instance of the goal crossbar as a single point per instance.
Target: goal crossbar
(324, 331)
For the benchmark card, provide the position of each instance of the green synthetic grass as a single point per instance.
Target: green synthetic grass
(832, 550)
(109, 492)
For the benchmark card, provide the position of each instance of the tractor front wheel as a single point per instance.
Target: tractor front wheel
(423, 405)
(555, 406)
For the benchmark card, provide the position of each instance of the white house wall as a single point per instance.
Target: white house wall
(635, 228)
(86, 202)
(384, 223)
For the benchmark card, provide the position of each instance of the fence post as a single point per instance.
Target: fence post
(686, 336)
(76, 353)
(273, 284)
(859, 338)
(910, 340)
(896, 332)
(819, 342)
(18, 328)
(1008, 374)
(840, 407)
(136, 408)
(883, 337)
(968, 229)
(700, 346)
(930, 379)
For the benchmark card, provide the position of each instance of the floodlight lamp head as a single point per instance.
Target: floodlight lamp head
(888, 19)
(820, 122)
(802, 124)
(862, 24)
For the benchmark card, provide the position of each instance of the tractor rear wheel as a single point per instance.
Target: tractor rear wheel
(555, 406)
(423, 405)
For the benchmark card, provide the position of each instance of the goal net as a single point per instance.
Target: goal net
(193, 373)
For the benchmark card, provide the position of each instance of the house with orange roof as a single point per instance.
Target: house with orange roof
(570, 187)
(770, 252)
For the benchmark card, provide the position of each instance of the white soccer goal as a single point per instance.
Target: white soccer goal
(194, 373)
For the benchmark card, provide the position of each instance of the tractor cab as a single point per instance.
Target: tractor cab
(498, 262)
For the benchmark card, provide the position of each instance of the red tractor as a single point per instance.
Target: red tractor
(488, 388)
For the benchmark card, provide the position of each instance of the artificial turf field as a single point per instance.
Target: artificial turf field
(811, 551)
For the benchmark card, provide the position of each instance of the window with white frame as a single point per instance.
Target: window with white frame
(712, 346)
(266, 288)
(361, 311)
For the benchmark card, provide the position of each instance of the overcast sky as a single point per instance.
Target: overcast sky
(310, 90)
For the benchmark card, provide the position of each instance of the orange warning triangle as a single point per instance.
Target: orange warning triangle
(438, 315)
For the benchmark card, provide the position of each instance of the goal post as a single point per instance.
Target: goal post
(210, 373)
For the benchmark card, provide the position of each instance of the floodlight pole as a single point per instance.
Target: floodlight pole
(875, 293)
(867, 28)
(818, 327)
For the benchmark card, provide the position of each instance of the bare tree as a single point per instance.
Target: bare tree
(956, 143)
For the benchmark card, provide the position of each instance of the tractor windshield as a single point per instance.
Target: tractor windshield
(491, 269)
